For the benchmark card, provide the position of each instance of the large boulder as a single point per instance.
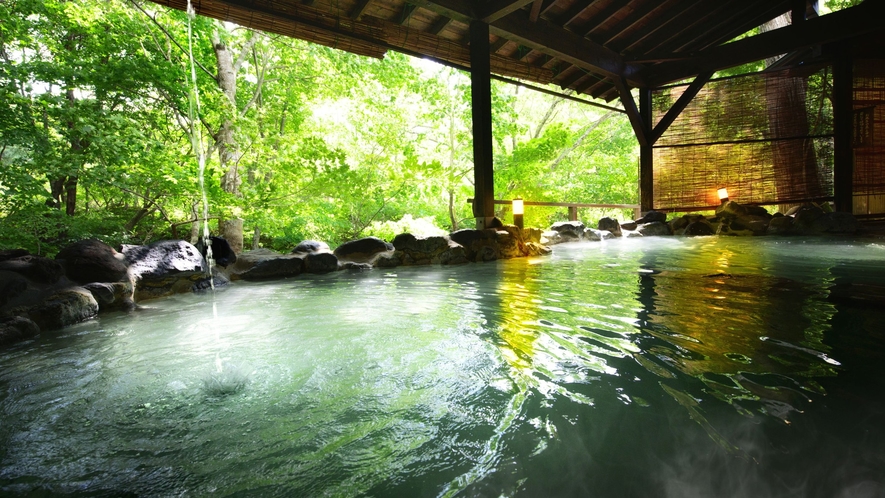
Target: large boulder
(64, 307)
(222, 253)
(12, 253)
(167, 267)
(92, 260)
(412, 250)
(652, 217)
(569, 230)
(780, 225)
(611, 225)
(35, 268)
(264, 264)
(699, 227)
(307, 246)
(363, 250)
(598, 235)
(654, 228)
(479, 245)
(841, 222)
(12, 285)
(113, 295)
(323, 262)
(16, 328)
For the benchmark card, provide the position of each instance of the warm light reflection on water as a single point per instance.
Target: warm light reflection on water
(680, 367)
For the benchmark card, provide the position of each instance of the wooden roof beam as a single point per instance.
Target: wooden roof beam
(496, 9)
(535, 11)
(573, 13)
(864, 18)
(545, 37)
(566, 45)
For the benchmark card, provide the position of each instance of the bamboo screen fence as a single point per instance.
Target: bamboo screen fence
(869, 137)
(766, 137)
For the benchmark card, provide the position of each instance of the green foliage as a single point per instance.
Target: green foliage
(328, 145)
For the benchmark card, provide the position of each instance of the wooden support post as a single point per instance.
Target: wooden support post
(646, 160)
(843, 167)
(481, 102)
(573, 213)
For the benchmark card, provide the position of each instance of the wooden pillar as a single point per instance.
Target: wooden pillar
(481, 102)
(646, 161)
(843, 167)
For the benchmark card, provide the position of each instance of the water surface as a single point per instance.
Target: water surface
(638, 367)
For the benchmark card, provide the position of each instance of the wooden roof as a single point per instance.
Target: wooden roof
(594, 47)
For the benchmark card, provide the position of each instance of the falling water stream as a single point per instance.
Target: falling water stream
(639, 367)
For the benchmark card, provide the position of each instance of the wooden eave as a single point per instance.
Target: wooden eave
(599, 48)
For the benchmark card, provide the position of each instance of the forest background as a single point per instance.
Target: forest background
(302, 141)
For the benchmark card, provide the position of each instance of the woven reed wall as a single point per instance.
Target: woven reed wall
(869, 136)
(767, 137)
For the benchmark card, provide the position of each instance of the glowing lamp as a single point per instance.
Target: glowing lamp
(723, 195)
(517, 212)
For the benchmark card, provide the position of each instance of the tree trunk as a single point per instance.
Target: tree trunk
(225, 140)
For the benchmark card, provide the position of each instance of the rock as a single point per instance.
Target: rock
(454, 254)
(629, 225)
(387, 260)
(35, 268)
(630, 234)
(166, 267)
(699, 228)
(551, 237)
(264, 264)
(598, 235)
(92, 260)
(12, 254)
(306, 246)
(320, 262)
(532, 235)
(363, 250)
(350, 265)
(810, 219)
(780, 225)
(611, 225)
(222, 253)
(16, 328)
(63, 308)
(651, 217)
(536, 249)
(732, 209)
(12, 285)
(112, 295)
(841, 222)
(479, 245)
(569, 230)
(733, 227)
(654, 228)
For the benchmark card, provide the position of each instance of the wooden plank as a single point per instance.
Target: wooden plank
(640, 20)
(496, 9)
(573, 13)
(636, 120)
(481, 105)
(680, 105)
(696, 16)
(865, 18)
(498, 45)
(535, 13)
(601, 17)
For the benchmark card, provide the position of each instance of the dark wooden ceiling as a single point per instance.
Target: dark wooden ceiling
(593, 47)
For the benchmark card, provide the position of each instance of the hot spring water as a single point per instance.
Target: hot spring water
(680, 367)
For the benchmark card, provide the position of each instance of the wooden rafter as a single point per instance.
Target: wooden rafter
(359, 9)
(535, 12)
(855, 21)
(496, 9)
(441, 24)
